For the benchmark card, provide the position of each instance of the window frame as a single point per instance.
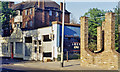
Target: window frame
(31, 10)
(56, 14)
(50, 13)
(31, 23)
(26, 12)
(26, 24)
(46, 40)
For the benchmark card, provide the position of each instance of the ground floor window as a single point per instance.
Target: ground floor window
(35, 49)
(46, 38)
(47, 54)
(28, 39)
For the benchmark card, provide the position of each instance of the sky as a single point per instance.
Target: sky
(79, 7)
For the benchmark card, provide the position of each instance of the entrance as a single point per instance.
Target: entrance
(12, 50)
(37, 50)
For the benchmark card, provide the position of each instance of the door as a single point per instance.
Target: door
(37, 50)
(12, 50)
(35, 53)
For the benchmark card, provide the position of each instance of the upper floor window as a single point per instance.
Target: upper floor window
(17, 12)
(26, 24)
(57, 14)
(50, 23)
(26, 12)
(30, 23)
(50, 13)
(10, 26)
(31, 11)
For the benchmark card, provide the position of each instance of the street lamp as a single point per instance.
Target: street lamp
(62, 33)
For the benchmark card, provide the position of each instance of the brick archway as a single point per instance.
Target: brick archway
(106, 58)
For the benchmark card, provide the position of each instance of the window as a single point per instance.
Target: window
(26, 12)
(46, 38)
(26, 24)
(39, 42)
(35, 42)
(50, 23)
(28, 39)
(50, 13)
(20, 12)
(39, 49)
(10, 26)
(30, 11)
(30, 23)
(17, 12)
(20, 24)
(57, 14)
(74, 43)
(49, 54)
(35, 49)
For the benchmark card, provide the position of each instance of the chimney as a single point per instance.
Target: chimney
(10, 4)
(61, 5)
(41, 4)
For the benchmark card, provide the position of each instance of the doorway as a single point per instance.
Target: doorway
(12, 49)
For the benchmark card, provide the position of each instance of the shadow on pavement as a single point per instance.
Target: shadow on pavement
(11, 70)
(7, 60)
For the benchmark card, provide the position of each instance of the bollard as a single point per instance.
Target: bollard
(67, 56)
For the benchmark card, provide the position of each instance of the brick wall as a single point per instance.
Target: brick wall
(28, 18)
(107, 59)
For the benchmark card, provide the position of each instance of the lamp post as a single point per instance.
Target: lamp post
(62, 33)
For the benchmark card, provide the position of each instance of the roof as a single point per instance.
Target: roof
(66, 24)
(52, 4)
(25, 5)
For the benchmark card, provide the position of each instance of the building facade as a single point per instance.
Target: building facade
(40, 44)
(36, 32)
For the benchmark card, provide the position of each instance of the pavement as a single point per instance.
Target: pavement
(37, 65)
(71, 65)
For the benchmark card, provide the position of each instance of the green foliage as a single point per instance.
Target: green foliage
(5, 14)
(96, 17)
(116, 27)
(92, 46)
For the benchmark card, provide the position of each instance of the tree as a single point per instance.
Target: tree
(95, 19)
(116, 28)
(5, 15)
(73, 20)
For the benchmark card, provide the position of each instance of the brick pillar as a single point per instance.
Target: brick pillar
(109, 31)
(109, 41)
(83, 40)
(103, 25)
(99, 39)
